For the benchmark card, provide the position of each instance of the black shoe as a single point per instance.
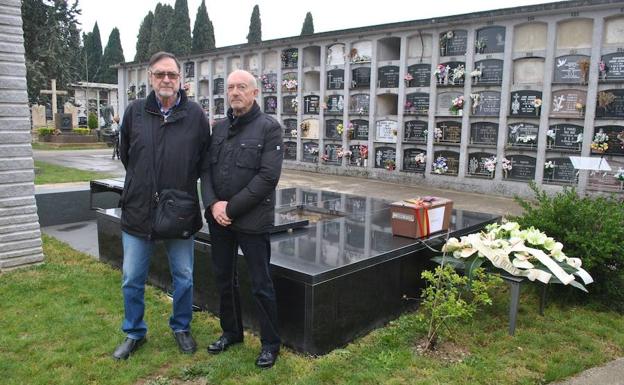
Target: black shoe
(185, 341)
(266, 359)
(128, 347)
(222, 344)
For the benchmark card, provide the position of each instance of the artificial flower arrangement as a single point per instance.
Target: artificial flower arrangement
(390, 164)
(600, 142)
(440, 166)
(420, 158)
(537, 103)
(305, 126)
(476, 73)
(290, 85)
(490, 164)
(340, 128)
(605, 99)
(583, 65)
(480, 45)
(518, 252)
(350, 130)
(550, 137)
(342, 153)
(442, 72)
(363, 151)
(294, 104)
(580, 107)
(325, 157)
(458, 74)
(267, 84)
(549, 167)
(476, 98)
(437, 134)
(313, 150)
(408, 79)
(506, 166)
(457, 105)
(603, 69)
(619, 176)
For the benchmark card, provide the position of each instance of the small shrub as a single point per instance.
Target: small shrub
(590, 228)
(450, 297)
(92, 121)
(43, 131)
(81, 131)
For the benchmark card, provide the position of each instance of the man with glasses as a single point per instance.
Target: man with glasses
(164, 145)
(246, 156)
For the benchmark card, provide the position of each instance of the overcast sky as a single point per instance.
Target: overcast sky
(279, 18)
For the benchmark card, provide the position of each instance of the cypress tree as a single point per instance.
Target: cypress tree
(94, 54)
(143, 38)
(178, 38)
(163, 16)
(113, 54)
(203, 31)
(255, 26)
(308, 25)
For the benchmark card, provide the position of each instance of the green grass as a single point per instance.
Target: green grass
(51, 173)
(60, 323)
(53, 146)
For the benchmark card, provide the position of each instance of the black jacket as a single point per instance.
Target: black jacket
(176, 148)
(245, 165)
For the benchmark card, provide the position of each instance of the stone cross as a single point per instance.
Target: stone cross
(54, 92)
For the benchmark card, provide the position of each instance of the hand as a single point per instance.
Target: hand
(218, 213)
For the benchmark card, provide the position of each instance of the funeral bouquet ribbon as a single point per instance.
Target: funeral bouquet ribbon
(422, 204)
(526, 253)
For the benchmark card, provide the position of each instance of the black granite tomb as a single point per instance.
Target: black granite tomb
(290, 58)
(615, 108)
(452, 161)
(451, 131)
(339, 276)
(383, 155)
(614, 67)
(360, 77)
(566, 137)
(290, 128)
(491, 72)
(616, 139)
(522, 167)
(290, 150)
(562, 171)
(310, 152)
(488, 105)
(476, 164)
(571, 69)
(288, 106)
(219, 106)
(360, 129)
(330, 128)
(335, 79)
(490, 40)
(522, 134)
(411, 163)
(388, 77)
(415, 131)
(416, 103)
(484, 133)
(359, 104)
(311, 104)
(421, 75)
(525, 103)
(218, 86)
(453, 42)
(270, 104)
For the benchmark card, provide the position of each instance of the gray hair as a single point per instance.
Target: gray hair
(161, 55)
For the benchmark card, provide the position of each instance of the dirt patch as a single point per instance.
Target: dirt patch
(445, 351)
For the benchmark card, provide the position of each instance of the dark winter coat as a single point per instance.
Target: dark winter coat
(245, 165)
(176, 148)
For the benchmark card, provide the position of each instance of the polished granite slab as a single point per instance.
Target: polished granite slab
(337, 277)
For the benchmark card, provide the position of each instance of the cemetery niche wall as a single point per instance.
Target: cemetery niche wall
(508, 83)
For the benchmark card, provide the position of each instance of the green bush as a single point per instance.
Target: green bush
(92, 121)
(81, 131)
(45, 131)
(590, 228)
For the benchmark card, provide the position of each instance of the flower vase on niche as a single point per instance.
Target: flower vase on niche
(460, 112)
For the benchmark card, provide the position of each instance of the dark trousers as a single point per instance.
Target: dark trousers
(257, 251)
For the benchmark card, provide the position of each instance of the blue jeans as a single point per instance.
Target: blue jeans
(136, 261)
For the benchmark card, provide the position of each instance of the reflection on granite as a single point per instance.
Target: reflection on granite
(337, 275)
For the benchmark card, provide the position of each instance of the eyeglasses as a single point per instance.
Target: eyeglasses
(170, 75)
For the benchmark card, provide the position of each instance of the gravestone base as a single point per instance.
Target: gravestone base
(69, 138)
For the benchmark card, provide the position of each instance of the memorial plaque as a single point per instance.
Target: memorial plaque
(359, 104)
(562, 171)
(311, 104)
(414, 160)
(488, 104)
(484, 133)
(421, 74)
(522, 134)
(477, 164)
(386, 130)
(269, 82)
(415, 131)
(522, 167)
(565, 136)
(449, 78)
(290, 150)
(445, 100)
(310, 152)
(571, 69)
(525, 103)
(335, 79)
(491, 72)
(450, 132)
(388, 77)
(330, 128)
(614, 109)
(616, 139)
(568, 104)
(601, 181)
(452, 161)
(189, 70)
(383, 155)
(63, 122)
(270, 104)
(490, 40)
(453, 43)
(290, 58)
(360, 129)
(218, 86)
(416, 103)
(290, 105)
(219, 106)
(614, 67)
(360, 77)
(205, 103)
(335, 105)
(290, 128)
(289, 82)
(331, 153)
